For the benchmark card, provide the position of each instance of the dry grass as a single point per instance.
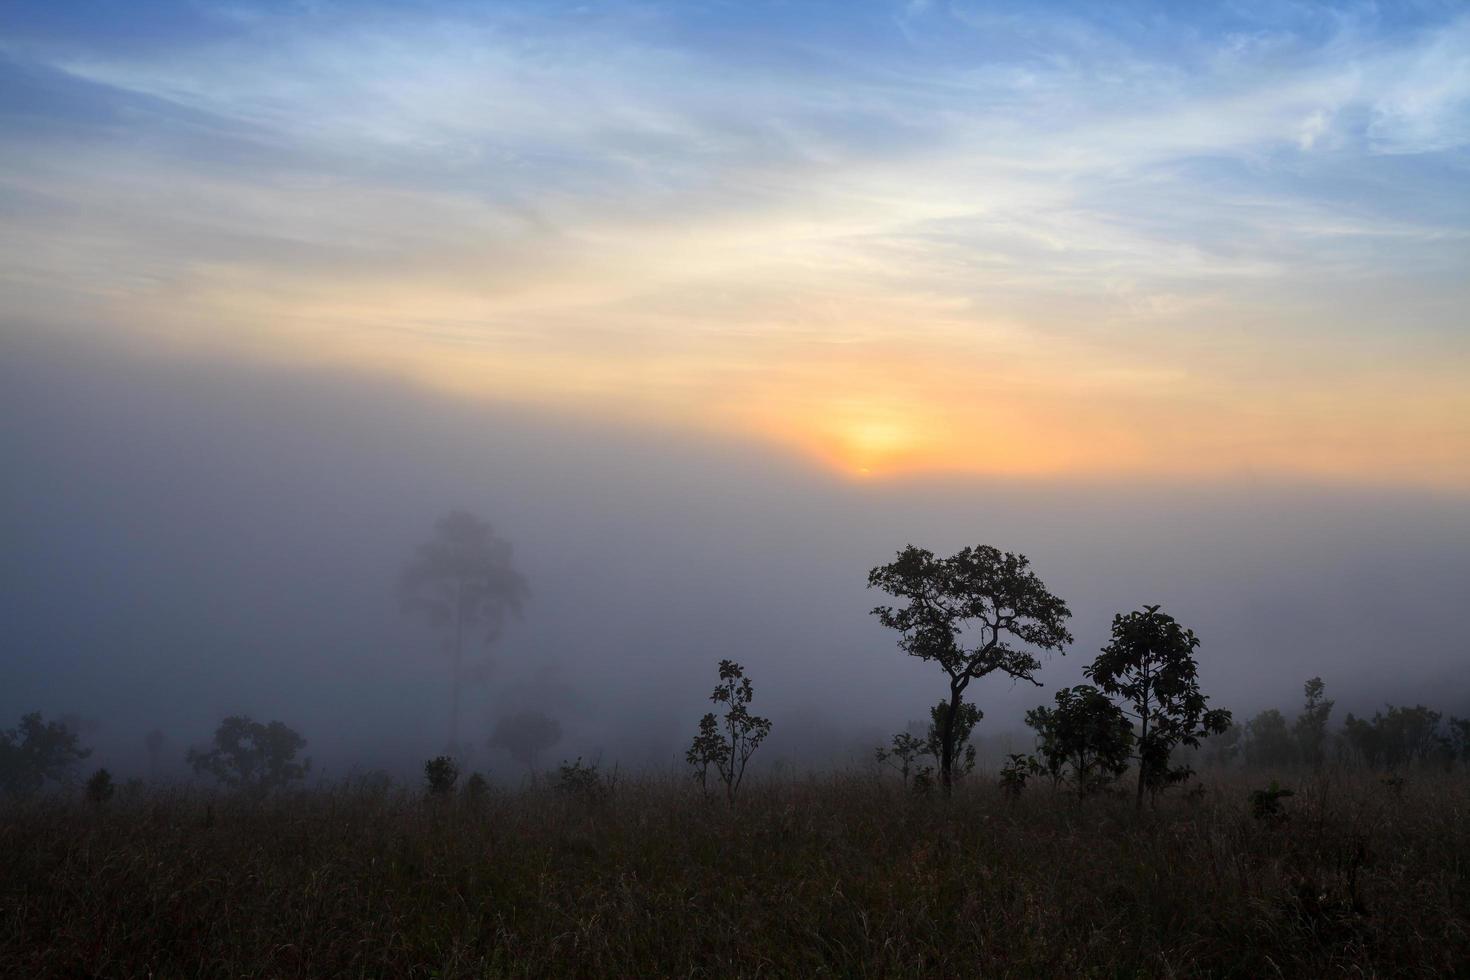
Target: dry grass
(843, 875)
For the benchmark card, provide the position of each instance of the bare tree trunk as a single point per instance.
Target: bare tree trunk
(946, 751)
(1148, 696)
(1142, 757)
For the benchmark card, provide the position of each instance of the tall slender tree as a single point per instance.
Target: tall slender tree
(463, 584)
(974, 613)
(1150, 667)
(1311, 725)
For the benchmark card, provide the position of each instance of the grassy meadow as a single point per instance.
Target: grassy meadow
(838, 875)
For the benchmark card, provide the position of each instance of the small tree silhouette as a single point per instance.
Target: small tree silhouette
(252, 756)
(1085, 738)
(728, 745)
(1268, 741)
(35, 752)
(100, 787)
(974, 613)
(1311, 725)
(1460, 739)
(1150, 665)
(903, 755)
(441, 773)
(908, 748)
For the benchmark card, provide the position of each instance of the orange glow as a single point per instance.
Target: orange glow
(951, 397)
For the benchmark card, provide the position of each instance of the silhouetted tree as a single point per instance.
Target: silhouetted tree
(460, 582)
(968, 612)
(908, 748)
(727, 745)
(1150, 665)
(36, 752)
(99, 787)
(963, 756)
(441, 773)
(903, 755)
(1268, 740)
(1460, 739)
(1086, 738)
(1311, 725)
(525, 736)
(251, 756)
(1396, 738)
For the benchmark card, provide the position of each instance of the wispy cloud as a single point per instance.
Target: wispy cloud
(636, 208)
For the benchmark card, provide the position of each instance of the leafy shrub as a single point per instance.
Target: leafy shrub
(1014, 773)
(99, 787)
(1086, 738)
(1266, 803)
(441, 773)
(584, 781)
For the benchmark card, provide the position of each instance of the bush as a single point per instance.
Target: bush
(583, 781)
(1266, 803)
(441, 773)
(99, 787)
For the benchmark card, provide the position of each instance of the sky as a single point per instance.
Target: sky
(1184, 240)
(709, 308)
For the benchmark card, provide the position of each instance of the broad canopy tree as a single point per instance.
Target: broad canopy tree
(463, 584)
(252, 756)
(36, 752)
(978, 612)
(1150, 666)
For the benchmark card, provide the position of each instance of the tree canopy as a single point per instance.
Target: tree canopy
(1150, 666)
(979, 611)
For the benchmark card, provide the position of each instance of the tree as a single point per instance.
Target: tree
(252, 756)
(974, 613)
(1221, 748)
(727, 746)
(1268, 740)
(1150, 665)
(461, 581)
(36, 752)
(440, 773)
(1460, 739)
(909, 748)
(526, 735)
(100, 787)
(1311, 725)
(1085, 738)
(1400, 737)
(903, 755)
(968, 716)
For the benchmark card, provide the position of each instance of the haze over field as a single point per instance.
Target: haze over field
(708, 309)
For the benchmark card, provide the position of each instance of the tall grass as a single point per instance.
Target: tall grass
(844, 875)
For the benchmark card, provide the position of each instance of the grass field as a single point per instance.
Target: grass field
(842, 875)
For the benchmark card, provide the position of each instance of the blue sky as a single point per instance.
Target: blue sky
(1014, 238)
